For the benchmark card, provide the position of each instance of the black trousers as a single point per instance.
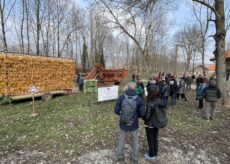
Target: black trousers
(201, 103)
(80, 87)
(152, 137)
(182, 96)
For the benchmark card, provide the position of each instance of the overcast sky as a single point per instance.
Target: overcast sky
(179, 17)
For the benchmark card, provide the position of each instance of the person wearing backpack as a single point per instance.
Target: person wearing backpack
(155, 118)
(181, 89)
(130, 107)
(199, 93)
(211, 95)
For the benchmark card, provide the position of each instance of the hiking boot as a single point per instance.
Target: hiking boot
(211, 118)
(119, 159)
(148, 157)
(134, 161)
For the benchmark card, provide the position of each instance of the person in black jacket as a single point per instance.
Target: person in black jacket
(173, 90)
(199, 80)
(154, 101)
(211, 95)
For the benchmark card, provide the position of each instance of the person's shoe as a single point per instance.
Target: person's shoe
(134, 161)
(148, 157)
(119, 159)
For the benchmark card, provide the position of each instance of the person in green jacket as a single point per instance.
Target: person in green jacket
(139, 89)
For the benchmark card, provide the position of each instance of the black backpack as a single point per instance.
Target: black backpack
(128, 109)
(160, 118)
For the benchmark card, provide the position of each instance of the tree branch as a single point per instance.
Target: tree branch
(207, 5)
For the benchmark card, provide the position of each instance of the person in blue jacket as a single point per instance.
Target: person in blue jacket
(130, 107)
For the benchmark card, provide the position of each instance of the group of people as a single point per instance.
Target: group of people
(131, 106)
(207, 94)
(168, 87)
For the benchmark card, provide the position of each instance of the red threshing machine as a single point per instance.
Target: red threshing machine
(107, 76)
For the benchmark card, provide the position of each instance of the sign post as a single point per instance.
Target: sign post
(32, 90)
(106, 94)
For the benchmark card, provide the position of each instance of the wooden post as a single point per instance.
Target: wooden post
(33, 106)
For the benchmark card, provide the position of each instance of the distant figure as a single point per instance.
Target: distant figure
(158, 78)
(165, 93)
(150, 82)
(181, 89)
(198, 80)
(199, 93)
(139, 88)
(80, 82)
(129, 107)
(133, 77)
(173, 90)
(188, 81)
(211, 95)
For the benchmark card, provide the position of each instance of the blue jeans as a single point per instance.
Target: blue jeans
(165, 100)
(174, 97)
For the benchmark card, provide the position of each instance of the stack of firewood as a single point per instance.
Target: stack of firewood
(20, 72)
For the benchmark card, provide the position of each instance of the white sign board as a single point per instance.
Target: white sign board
(108, 93)
(33, 90)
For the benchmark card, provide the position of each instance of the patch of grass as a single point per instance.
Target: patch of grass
(69, 124)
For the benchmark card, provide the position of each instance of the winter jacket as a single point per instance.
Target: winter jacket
(139, 90)
(199, 80)
(173, 87)
(150, 111)
(165, 92)
(81, 81)
(188, 80)
(181, 87)
(200, 90)
(140, 111)
(212, 93)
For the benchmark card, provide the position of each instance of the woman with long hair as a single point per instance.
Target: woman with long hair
(154, 101)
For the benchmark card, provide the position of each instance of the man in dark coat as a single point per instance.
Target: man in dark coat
(121, 109)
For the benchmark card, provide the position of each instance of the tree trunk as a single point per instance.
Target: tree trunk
(3, 28)
(220, 50)
(27, 27)
(38, 26)
(22, 27)
(203, 62)
(145, 61)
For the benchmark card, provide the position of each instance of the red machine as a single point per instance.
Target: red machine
(107, 76)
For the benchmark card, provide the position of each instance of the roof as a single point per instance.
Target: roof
(227, 54)
(211, 67)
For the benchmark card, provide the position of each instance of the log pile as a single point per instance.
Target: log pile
(20, 72)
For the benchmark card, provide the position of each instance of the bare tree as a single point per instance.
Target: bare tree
(139, 28)
(202, 17)
(6, 8)
(188, 38)
(218, 9)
